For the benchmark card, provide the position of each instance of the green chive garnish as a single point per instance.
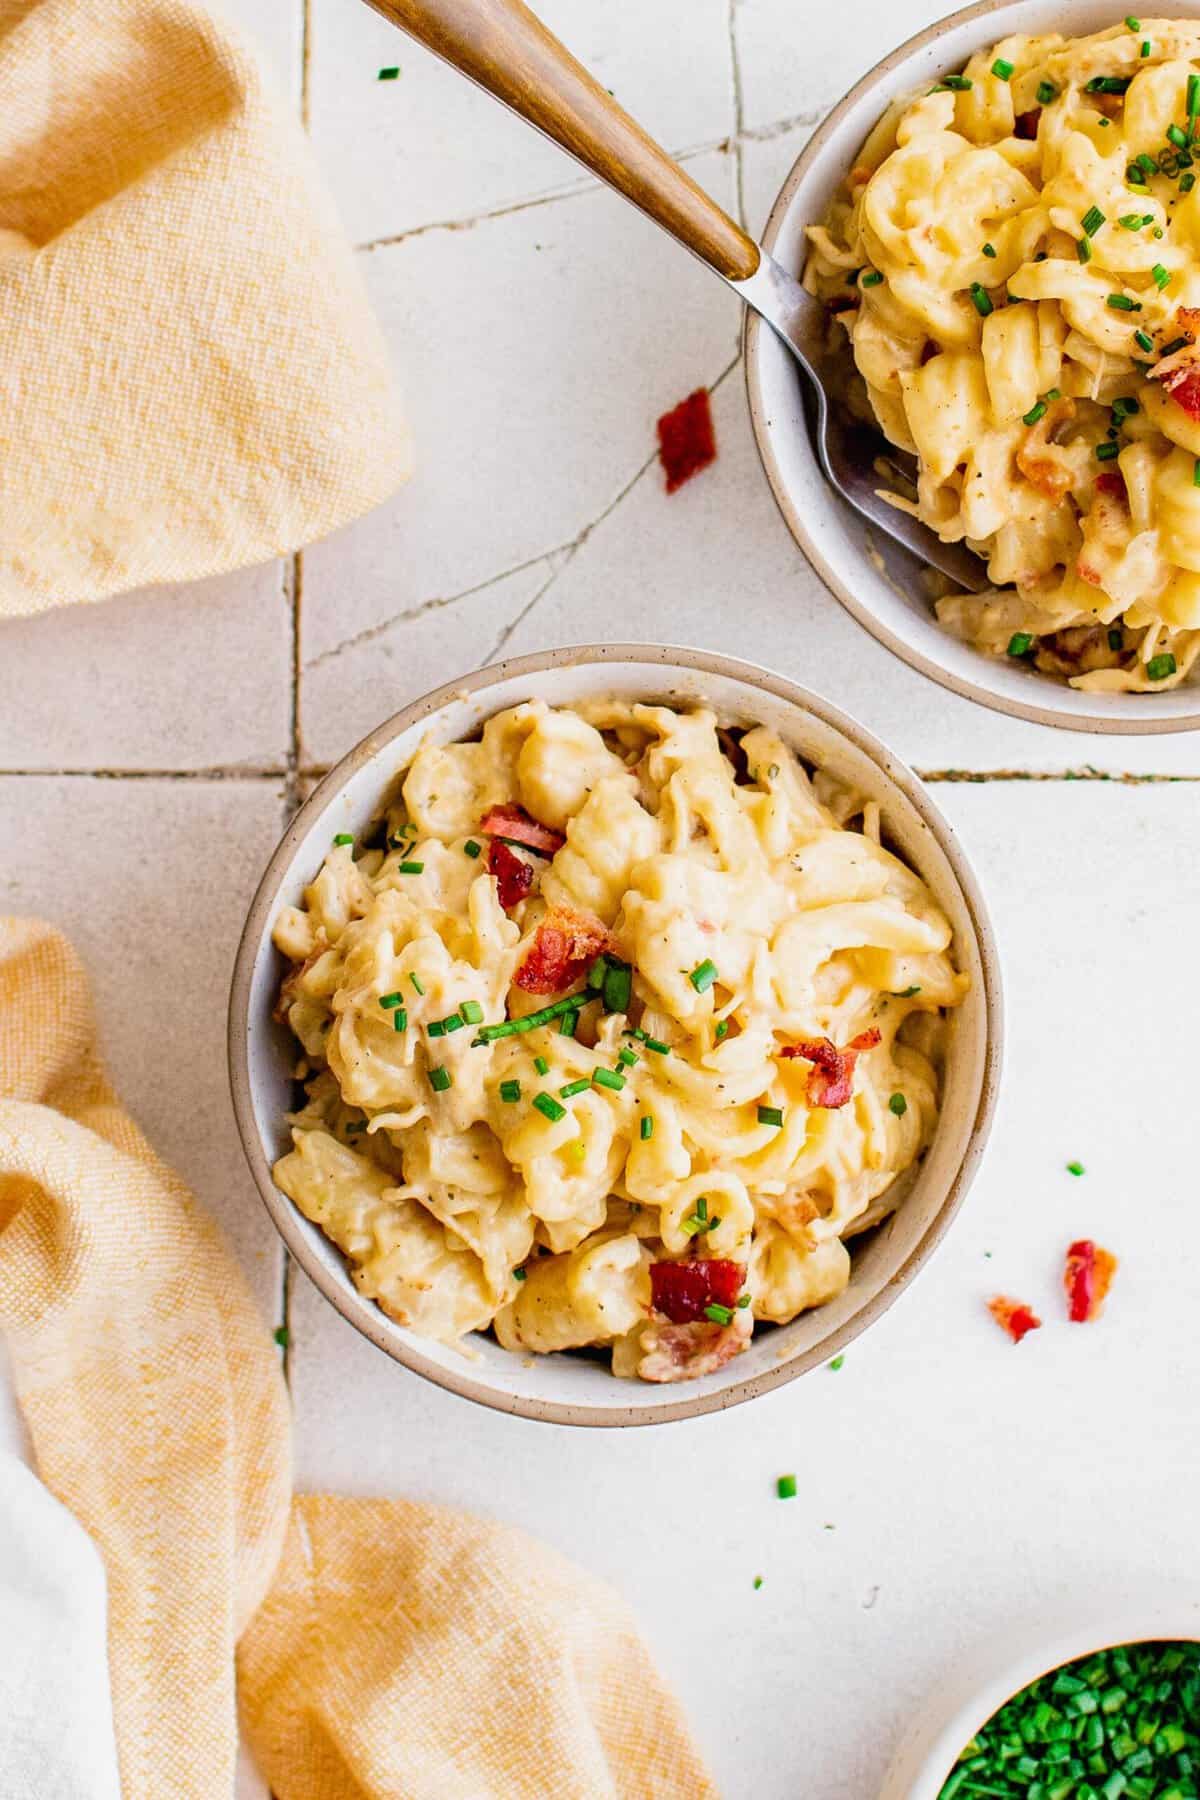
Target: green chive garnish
(416, 981)
(412, 868)
(1162, 277)
(568, 1025)
(958, 84)
(1034, 414)
(541, 1065)
(703, 976)
(343, 837)
(389, 74)
(909, 992)
(548, 1106)
(1107, 452)
(646, 1129)
(1046, 92)
(1174, 345)
(1108, 84)
(1146, 164)
(722, 1030)
(1074, 1168)
(283, 1336)
(574, 1087)
(520, 1274)
(989, 249)
(439, 1080)
(1002, 69)
(608, 1078)
(627, 1057)
(1083, 250)
(785, 1487)
(472, 1012)
(836, 1364)
(1091, 221)
(471, 848)
(1116, 638)
(758, 1581)
(510, 1092)
(400, 1019)
(388, 1001)
(657, 1045)
(981, 300)
(1144, 341)
(1187, 183)
(1145, 51)
(1122, 303)
(618, 986)
(436, 1028)
(1159, 667)
(1196, 473)
(720, 1315)
(898, 1105)
(1177, 137)
(770, 1115)
(872, 278)
(1133, 24)
(1020, 643)
(543, 1016)
(1193, 96)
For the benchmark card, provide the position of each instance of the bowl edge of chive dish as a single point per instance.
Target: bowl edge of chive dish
(569, 1388)
(876, 581)
(1019, 1655)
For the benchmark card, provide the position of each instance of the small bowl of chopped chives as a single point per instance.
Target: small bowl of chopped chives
(1107, 1711)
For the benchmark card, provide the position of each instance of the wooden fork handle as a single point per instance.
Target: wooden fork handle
(501, 45)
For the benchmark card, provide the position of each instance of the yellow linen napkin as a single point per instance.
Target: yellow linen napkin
(191, 379)
(401, 1652)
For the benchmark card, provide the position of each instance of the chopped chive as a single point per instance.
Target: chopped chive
(720, 1315)
(1034, 414)
(722, 1029)
(958, 84)
(1162, 277)
(627, 1056)
(1132, 221)
(388, 75)
(1116, 638)
(744, 1299)
(1074, 1168)
(1107, 452)
(455, 1022)
(836, 1364)
(1083, 250)
(646, 1128)
(520, 1274)
(1174, 345)
(282, 1336)
(1145, 50)
(702, 1207)
(770, 1115)
(657, 1045)
(412, 868)
(989, 250)
(568, 1025)
(1108, 84)
(1133, 24)
(388, 1001)
(574, 1087)
(440, 1080)
(872, 278)
(472, 1012)
(549, 1108)
(1123, 408)
(981, 300)
(510, 1092)
(595, 975)
(416, 981)
(1046, 92)
(1196, 473)
(1122, 303)
(400, 1019)
(1020, 643)
(909, 992)
(608, 1078)
(1146, 164)
(1159, 667)
(1193, 96)
(541, 1065)
(1054, 393)
(898, 1105)
(1177, 137)
(1187, 183)
(436, 1028)
(343, 837)
(1091, 221)
(1002, 69)
(703, 976)
(618, 986)
(785, 1487)
(543, 1016)
(1144, 341)
(471, 848)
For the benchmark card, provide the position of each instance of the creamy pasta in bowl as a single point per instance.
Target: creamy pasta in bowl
(1004, 224)
(625, 1029)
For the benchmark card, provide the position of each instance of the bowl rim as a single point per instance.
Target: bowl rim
(362, 1313)
(1032, 712)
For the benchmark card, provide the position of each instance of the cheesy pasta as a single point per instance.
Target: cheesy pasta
(613, 1037)
(1015, 259)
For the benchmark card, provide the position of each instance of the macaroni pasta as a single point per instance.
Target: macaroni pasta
(1016, 261)
(616, 1034)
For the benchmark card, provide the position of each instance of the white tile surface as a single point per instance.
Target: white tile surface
(964, 1480)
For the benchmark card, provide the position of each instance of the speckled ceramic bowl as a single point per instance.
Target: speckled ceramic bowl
(575, 1388)
(876, 581)
(982, 1684)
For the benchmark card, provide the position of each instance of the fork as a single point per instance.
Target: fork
(505, 49)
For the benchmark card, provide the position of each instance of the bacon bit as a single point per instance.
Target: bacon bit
(514, 878)
(1027, 123)
(1036, 457)
(1112, 482)
(1013, 1316)
(682, 1290)
(1183, 385)
(687, 442)
(683, 1352)
(831, 1078)
(1087, 1279)
(564, 945)
(514, 822)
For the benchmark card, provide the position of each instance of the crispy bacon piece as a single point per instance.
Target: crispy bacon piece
(1183, 385)
(831, 1078)
(1112, 482)
(682, 1290)
(514, 878)
(515, 823)
(564, 945)
(683, 1352)
(1027, 123)
(1013, 1316)
(687, 442)
(1087, 1278)
(1039, 459)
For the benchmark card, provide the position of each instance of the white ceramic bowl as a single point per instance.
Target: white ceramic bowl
(983, 1683)
(887, 599)
(574, 1389)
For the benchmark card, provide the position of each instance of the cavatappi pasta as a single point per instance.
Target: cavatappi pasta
(1016, 260)
(618, 1033)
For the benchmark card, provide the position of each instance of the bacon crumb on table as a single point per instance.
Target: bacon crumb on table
(1013, 1316)
(687, 442)
(831, 1078)
(1087, 1277)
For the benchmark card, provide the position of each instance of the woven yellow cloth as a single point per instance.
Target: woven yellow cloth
(401, 1652)
(191, 379)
